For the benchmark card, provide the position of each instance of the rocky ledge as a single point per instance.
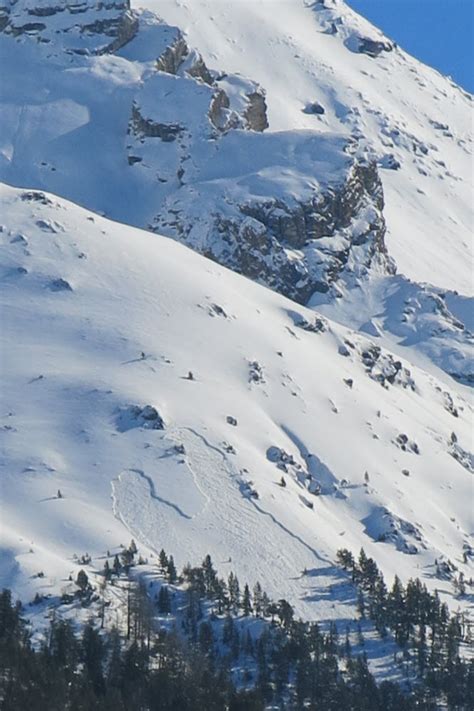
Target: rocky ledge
(295, 229)
(83, 27)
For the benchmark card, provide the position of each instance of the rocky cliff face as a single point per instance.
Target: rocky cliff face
(87, 27)
(291, 210)
(296, 247)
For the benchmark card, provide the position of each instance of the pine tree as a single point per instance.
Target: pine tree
(163, 559)
(127, 558)
(246, 602)
(221, 595)
(164, 602)
(93, 657)
(210, 575)
(82, 581)
(421, 649)
(116, 565)
(234, 591)
(206, 637)
(248, 644)
(63, 647)
(171, 570)
(285, 613)
(347, 643)
(235, 644)
(345, 559)
(114, 663)
(257, 599)
(397, 612)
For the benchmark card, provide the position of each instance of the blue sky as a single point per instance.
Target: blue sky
(439, 32)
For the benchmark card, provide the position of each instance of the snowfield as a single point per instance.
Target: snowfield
(306, 51)
(149, 392)
(166, 397)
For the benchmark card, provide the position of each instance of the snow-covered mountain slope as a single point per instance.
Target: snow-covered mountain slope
(166, 397)
(266, 136)
(313, 55)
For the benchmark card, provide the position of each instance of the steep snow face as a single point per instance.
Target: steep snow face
(166, 397)
(324, 67)
(292, 209)
(160, 136)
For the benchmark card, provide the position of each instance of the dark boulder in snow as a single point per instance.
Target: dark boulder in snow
(314, 107)
(134, 416)
(60, 285)
(372, 48)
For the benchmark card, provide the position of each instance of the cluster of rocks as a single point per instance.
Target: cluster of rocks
(295, 246)
(461, 455)
(384, 368)
(248, 490)
(384, 526)
(223, 113)
(448, 402)
(406, 444)
(256, 373)
(287, 464)
(36, 196)
(302, 248)
(316, 325)
(146, 417)
(334, 24)
(84, 27)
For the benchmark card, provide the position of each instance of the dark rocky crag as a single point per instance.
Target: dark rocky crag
(87, 27)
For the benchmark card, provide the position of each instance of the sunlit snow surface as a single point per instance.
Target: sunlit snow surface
(396, 103)
(100, 320)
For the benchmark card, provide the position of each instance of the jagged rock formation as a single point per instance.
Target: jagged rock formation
(87, 27)
(296, 243)
(251, 113)
(296, 246)
(372, 47)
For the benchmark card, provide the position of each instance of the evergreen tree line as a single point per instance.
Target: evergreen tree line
(429, 636)
(290, 664)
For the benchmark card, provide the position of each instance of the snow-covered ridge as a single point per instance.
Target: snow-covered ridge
(166, 397)
(182, 152)
(418, 123)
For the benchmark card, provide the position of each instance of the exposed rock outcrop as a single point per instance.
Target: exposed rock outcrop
(256, 112)
(86, 27)
(372, 47)
(173, 56)
(152, 129)
(297, 247)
